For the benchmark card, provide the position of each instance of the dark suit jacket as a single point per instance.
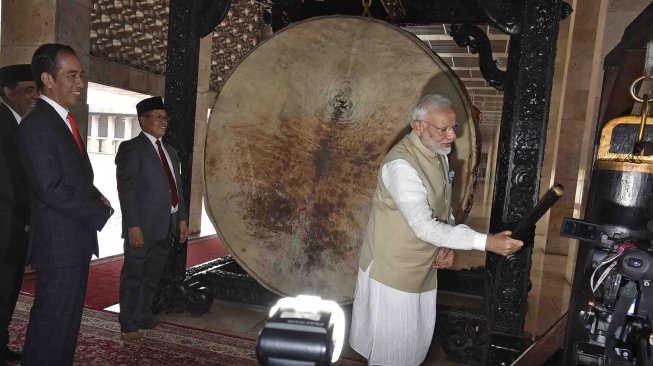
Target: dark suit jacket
(6, 203)
(67, 211)
(14, 192)
(143, 188)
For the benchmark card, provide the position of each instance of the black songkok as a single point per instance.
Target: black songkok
(12, 74)
(149, 104)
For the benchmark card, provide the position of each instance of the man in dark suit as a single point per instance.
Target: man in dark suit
(19, 94)
(67, 211)
(153, 211)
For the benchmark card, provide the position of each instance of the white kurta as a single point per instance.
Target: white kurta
(392, 327)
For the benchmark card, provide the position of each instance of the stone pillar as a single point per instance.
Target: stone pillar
(128, 128)
(205, 98)
(27, 24)
(575, 135)
(93, 145)
(109, 144)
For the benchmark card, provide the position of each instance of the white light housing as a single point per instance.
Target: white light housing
(309, 307)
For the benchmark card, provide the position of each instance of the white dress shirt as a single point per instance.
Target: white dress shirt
(63, 112)
(153, 139)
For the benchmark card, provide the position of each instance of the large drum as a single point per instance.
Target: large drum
(295, 140)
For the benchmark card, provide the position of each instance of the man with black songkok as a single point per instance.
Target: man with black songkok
(19, 94)
(153, 211)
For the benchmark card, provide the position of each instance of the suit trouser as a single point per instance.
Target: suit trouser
(12, 267)
(139, 281)
(55, 316)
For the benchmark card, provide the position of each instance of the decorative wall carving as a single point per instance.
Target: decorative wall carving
(131, 32)
(465, 335)
(470, 35)
(502, 14)
(238, 33)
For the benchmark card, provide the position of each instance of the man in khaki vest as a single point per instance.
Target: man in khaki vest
(409, 235)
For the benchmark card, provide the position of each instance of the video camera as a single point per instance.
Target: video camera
(612, 306)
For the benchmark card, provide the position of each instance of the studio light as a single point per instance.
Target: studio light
(302, 330)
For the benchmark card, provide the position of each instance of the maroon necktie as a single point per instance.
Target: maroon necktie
(171, 180)
(73, 127)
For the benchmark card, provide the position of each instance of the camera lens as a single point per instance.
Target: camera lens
(634, 262)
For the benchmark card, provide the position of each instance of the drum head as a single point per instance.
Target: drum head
(295, 141)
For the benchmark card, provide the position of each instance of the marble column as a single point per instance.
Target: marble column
(575, 133)
(93, 144)
(109, 146)
(128, 128)
(27, 24)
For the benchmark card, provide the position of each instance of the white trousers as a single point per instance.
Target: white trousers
(391, 327)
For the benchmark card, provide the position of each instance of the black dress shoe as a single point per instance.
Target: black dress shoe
(12, 356)
(149, 325)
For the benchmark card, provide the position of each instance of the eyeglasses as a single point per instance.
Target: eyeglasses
(157, 116)
(442, 130)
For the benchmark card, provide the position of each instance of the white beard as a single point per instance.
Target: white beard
(435, 147)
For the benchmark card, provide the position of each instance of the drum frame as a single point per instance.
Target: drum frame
(232, 203)
(528, 78)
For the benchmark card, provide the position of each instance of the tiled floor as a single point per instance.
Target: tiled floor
(547, 300)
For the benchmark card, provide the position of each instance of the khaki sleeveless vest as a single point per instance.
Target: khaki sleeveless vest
(401, 260)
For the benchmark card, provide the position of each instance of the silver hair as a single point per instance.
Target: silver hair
(426, 104)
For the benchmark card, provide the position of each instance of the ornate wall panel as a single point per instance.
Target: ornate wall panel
(131, 32)
(238, 33)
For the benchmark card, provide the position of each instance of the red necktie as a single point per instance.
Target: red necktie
(73, 127)
(171, 180)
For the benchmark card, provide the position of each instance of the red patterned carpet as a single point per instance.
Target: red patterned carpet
(205, 249)
(99, 343)
(104, 274)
